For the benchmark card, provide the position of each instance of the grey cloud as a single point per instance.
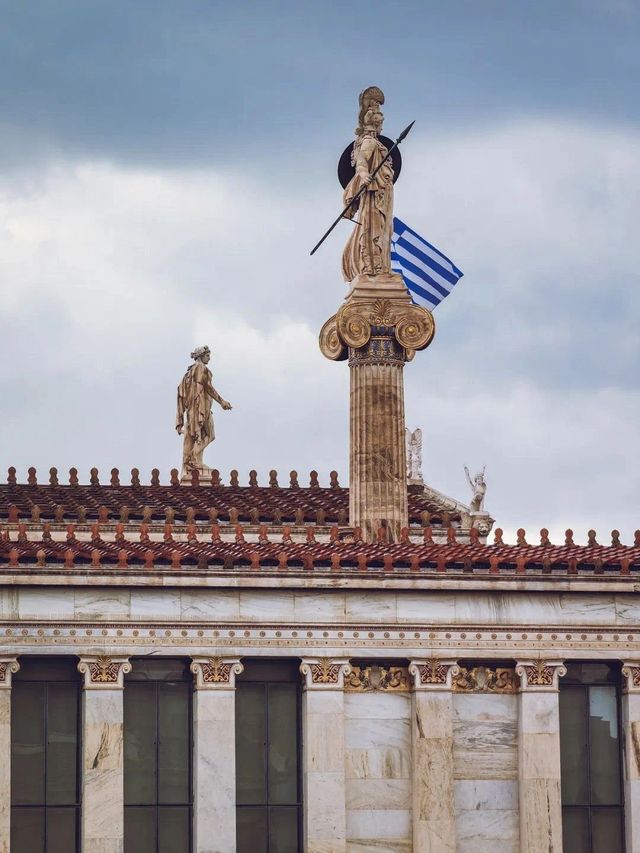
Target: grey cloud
(164, 83)
(114, 274)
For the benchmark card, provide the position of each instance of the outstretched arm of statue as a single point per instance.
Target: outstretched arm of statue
(211, 391)
(470, 481)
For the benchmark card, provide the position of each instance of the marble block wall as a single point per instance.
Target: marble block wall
(485, 754)
(378, 772)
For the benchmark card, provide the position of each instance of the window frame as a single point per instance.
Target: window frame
(22, 677)
(155, 684)
(590, 806)
(252, 676)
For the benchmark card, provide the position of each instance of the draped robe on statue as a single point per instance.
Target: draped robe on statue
(368, 249)
(195, 398)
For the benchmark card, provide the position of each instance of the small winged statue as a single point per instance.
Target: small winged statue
(478, 487)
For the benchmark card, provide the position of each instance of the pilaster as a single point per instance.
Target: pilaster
(8, 666)
(214, 753)
(325, 828)
(631, 753)
(432, 747)
(539, 756)
(102, 753)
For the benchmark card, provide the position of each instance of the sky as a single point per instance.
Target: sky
(165, 169)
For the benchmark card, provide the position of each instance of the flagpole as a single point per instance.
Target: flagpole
(362, 189)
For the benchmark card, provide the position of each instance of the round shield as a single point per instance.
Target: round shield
(346, 171)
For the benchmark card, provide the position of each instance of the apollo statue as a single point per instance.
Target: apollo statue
(478, 487)
(193, 416)
(368, 249)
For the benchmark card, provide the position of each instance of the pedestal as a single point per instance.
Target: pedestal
(378, 329)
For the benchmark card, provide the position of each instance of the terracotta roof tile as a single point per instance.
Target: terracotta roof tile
(206, 549)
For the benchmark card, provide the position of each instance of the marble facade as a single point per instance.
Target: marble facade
(429, 716)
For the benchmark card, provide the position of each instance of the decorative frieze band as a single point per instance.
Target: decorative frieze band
(486, 679)
(103, 672)
(216, 673)
(631, 673)
(325, 673)
(365, 679)
(433, 674)
(8, 666)
(540, 675)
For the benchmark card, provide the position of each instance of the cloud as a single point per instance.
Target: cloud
(110, 275)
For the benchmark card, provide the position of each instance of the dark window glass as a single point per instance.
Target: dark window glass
(592, 797)
(268, 785)
(157, 757)
(45, 755)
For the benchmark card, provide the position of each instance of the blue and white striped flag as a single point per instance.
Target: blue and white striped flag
(429, 275)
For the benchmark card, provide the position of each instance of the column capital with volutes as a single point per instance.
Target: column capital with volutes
(631, 673)
(433, 673)
(216, 673)
(324, 673)
(104, 672)
(8, 667)
(540, 675)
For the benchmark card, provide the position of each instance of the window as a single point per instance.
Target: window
(157, 757)
(45, 756)
(592, 791)
(268, 783)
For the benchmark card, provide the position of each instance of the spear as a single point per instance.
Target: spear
(402, 136)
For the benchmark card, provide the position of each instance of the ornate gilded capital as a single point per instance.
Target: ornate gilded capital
(8, 666)
(378, 324)
(631, 673)
(104, 672)
(216, 673)
(325, 673)
(540, 675)
(433, 673)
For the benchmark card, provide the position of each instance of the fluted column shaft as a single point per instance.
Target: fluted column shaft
(378, 467)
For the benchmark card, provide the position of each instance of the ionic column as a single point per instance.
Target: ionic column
(325, 828)
(7, 667)
(214, 754)
(631, 735)
(432, 747)
(378, 328)
(102, 819)
(539, 756)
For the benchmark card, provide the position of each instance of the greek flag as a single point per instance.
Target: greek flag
(429, 275)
